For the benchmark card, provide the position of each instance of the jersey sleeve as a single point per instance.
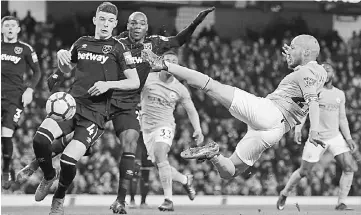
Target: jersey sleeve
(165, 43)
(308, 84)
(74, 50)
(124, 56)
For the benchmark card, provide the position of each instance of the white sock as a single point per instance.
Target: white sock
(165, 175)
(292, 182)
(345, 186)
(224, 166)
(177, 176)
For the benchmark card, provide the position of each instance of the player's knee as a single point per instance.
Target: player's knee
(226, 175)
(349, 168)
(42, 140)
(75, 149)
(304, 172)
(7, 132)
(51, 128)
(160, 152)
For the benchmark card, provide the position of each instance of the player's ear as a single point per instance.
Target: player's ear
(94, 20)
(18, 29)
(115, 23)
(128, 26)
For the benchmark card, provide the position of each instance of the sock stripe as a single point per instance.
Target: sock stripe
(68, 160)
(47, 132)
(47, 137)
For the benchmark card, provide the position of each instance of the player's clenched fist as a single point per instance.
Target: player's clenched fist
(198, 136)
(98, 88)
(202, 15)
(64, 57)
(27, 96)
(314, 139)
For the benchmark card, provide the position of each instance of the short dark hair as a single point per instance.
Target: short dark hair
(7, 18)
(170, 52)
(108, 8)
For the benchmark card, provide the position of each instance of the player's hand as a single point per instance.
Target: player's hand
(298, 137)
(202, 15)
(64, 57)
(285, 50)
(98, 88)
(198, 136)
(315, 140)
(352, 145)
(27, 97)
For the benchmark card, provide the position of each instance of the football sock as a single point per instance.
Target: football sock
(57, 147)
(144, 185)
(165, 175)
(179, 177)
(42, 149)
(7, 151)
(292, 182)
(126, 172)
(194, 78)
(224, 166)
(67, 175)
(133, 188)
(345, 186)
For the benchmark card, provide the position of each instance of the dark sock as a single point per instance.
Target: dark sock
(126, 172)
(57, 147)
(7, 151)
(67, 175)
(144, 184)
(43, 152)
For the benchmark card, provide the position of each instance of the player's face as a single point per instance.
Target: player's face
(10, 29)
(294, 56)
(171, 58)
(104, 24)
(137, 26)
(330, 73)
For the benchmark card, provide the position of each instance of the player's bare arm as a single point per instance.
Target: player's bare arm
(31, 60)
(344, 127)
(194, 119)
(130, 83)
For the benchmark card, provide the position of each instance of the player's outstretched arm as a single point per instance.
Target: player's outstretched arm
(193, 118)
(183, 36)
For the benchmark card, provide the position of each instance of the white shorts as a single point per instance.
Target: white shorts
(162, 134)
(266, 124)
(336, 145)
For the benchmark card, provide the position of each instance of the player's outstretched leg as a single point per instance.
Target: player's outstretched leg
(348, 169)
(186, 181)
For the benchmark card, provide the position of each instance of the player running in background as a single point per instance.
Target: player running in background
(99, 61)
(141, 173)
(267, 118)
(16, 56)
(123, 104)
(332, 120)
(161, 93)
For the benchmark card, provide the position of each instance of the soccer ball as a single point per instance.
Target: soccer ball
(61, 106)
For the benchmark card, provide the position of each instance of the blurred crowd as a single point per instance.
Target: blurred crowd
(254, 64)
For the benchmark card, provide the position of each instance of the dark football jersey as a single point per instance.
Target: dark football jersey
(15, 60)
(159, 45)
(97, 60)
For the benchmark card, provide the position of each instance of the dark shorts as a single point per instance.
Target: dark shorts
(124, 118)
(85, 131)
(141, 153)
(92, 115)
(11, 109)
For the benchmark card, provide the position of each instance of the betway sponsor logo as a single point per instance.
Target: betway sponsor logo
(11, 58)
(95, 57)
(136, 60)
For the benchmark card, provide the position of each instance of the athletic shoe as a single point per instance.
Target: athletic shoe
(156, 62)
(281, 202)
(6, 180)
(207, 151)
(343, 207)
(189, 187)
(25, 173)
(44, 187)
(166, 206)
(118, 207)
(57, 207)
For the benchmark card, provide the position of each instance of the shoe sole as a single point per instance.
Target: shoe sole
(166, 209)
